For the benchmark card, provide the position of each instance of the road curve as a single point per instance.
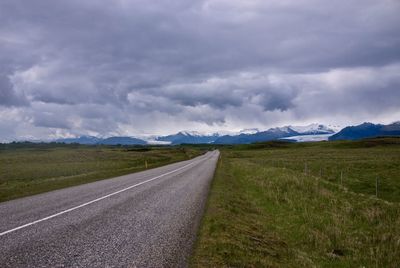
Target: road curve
(146, 219)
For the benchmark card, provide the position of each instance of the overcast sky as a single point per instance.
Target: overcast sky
(134, 67)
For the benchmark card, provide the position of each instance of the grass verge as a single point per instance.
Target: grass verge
(263, 214)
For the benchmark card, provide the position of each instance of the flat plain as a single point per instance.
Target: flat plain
(274, 204)
(278, 204)
(27, 168)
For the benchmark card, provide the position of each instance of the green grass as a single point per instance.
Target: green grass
(264, 211)
(27, 169)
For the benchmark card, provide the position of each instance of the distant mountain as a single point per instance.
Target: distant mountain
(275, 133)
(313, 129)
(367, 130)
(192, 137)
(271, 134)
(249, 131)
(188, 137)
(122, 141)
(89, 140)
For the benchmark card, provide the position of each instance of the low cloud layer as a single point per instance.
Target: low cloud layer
(154, 67)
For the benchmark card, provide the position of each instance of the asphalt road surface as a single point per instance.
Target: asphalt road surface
(146, 219)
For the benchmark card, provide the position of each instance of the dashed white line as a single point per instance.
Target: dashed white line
(93, 201)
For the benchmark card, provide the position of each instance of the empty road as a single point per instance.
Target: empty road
(146, 219)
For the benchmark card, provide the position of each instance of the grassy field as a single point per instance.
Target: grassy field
(284, 205)
(27, 169)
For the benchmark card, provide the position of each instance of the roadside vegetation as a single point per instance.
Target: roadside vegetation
(279, 204)
(27, 168)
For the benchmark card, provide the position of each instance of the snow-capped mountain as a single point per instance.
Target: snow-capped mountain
(249, 131)
(313, 129)
(276, 133)
(312, 132)
(195, 137)
(193, 133)
(191, 137)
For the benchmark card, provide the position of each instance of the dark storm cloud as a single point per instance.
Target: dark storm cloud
(232, 91)
(361, 91)
(158, 66)
(280, 102)
(8, 97)
(51, 121)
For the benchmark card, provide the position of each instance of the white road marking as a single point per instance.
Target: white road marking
(95, 200)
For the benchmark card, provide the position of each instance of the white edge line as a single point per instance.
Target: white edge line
(93, 201)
